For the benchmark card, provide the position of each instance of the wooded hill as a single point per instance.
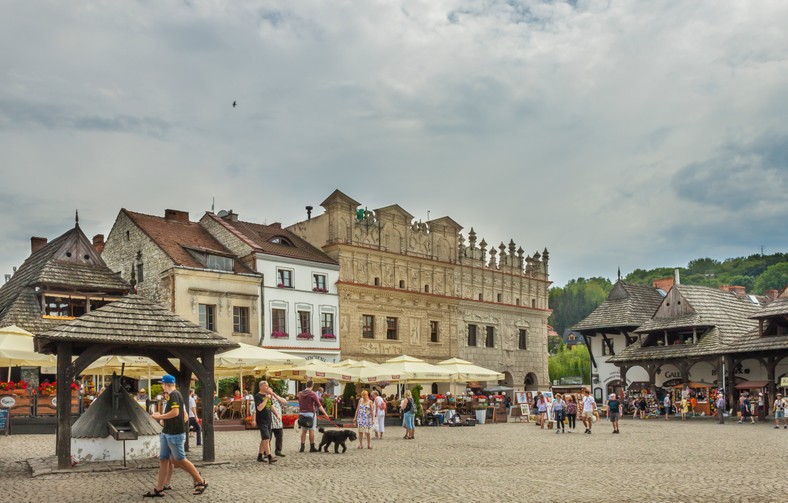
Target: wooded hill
(757, 273)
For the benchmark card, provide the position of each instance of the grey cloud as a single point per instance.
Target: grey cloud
(738, 178)
(16, 114)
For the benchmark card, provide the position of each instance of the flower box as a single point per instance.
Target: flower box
(280, 335)
(328, 337)
(305, 336)
(320, 290)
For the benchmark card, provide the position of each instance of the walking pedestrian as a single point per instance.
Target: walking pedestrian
(365, 412)
(380, 414)
(559, 409)
(308, 405)
(745, 410)
(193, 421)
(571, 413)
(408, 408)
(276, 422)
(614, 411)
(779, 412)
(589, 406)
(666, 402)
(172, 439)
(541, 408)
(262, 419)
(720, 405)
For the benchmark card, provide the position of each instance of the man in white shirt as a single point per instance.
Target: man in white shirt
(667, 404)
(589, 406)
(193, 423)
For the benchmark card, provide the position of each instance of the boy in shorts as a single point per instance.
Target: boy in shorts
(614, 411)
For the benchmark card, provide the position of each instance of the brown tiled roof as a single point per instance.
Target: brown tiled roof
(725, 320)
(628, 305)
(132, 322)
(174, 237)
(259, 237)
(19, 304)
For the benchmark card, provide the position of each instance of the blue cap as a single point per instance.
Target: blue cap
(168, 379)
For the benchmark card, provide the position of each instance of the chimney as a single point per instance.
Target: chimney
(37, 243)
(309, 213)
(276, 225)
(176, 216)
(738, 290)
(228, 215)
(772, 294)
(676, 277)
(98, 243)
(663, 284)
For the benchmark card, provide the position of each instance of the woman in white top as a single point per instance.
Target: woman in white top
(380, 415)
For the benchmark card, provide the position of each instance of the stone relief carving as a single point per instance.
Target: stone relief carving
(415, 332)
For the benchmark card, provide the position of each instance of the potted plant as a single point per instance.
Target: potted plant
(481, 413)
(328, 337)
(277, 334)
(305, 336)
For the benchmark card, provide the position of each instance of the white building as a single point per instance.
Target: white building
(299, 294)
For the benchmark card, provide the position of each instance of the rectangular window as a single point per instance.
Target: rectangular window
(278, 321)
(500, 297)
(490, 339)
(326, 323)
(472, 335)
(140, 272)
(319, 283)
(433, 331)
(304, 322)
(240, 320)
(533, 303)
(523, 339)
(391, 329)
(284, 278)
(368, 329)
(218, 263)
(208, 317)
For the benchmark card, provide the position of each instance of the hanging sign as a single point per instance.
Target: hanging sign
(784, 382)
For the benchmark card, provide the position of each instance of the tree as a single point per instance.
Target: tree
(774, 278)
(570, 362)
(576, 300)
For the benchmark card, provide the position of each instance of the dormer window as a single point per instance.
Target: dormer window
(281, 240)
(219, 263)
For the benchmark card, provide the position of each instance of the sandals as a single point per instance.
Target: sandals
(200, 487)
(154, 493)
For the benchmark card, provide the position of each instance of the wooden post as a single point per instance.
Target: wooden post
(184, 380)
(771, 392)
(623, 370)
(208, 452)
(64, 380)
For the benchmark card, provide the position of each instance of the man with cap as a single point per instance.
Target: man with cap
(172, 439)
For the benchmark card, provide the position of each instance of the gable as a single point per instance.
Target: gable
(394, 210)
(674, 305)
(78, 250)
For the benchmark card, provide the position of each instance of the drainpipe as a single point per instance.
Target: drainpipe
(261, 314)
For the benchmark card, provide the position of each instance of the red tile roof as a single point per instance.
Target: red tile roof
(259, 237)
(174, 237)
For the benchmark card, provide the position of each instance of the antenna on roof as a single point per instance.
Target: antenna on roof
(76, 219)
(213, 202)
(619, 273)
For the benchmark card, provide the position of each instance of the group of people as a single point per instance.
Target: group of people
(565, 408)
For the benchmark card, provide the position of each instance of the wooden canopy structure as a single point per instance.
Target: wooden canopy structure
(136, 327)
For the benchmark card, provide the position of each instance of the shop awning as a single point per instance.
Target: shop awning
(752, 385)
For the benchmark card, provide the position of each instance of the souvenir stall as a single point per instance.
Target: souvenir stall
(754, 388)
(498, 407)
(704, 394)
(638, 391)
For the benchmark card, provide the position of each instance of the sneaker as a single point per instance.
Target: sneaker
(557, 432)
(776, 427)
(279, 454)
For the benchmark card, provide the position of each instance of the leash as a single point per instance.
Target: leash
(332, 422)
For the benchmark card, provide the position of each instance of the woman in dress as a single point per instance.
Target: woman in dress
(541, 408)
(364, 414)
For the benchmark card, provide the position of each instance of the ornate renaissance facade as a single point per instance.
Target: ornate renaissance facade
(418, 288)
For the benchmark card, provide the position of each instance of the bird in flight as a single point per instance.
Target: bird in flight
(235, 104)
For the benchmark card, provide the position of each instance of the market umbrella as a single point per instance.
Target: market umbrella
(16, 349)
(498, 389)
(414, 370)
(370, 372)
(313, 369)
(247, 359)
(132, 366)
(346, 363)
(466, 371)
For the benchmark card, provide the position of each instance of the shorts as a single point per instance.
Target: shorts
(314, 420)
(780, 414)
(588, 414)
(265, 431)
(171, 446)
(613, 416)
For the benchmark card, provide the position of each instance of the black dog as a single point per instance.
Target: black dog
(338, 437)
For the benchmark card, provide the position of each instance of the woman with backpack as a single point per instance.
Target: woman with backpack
(408, 408)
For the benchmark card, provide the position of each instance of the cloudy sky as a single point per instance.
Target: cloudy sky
(631, 134)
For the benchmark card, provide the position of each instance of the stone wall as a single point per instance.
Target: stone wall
(126, 246)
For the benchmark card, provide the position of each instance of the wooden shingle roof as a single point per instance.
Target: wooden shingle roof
(19, 303)
(778, 307)
(260, 238)
(132, 322)
(628, 305)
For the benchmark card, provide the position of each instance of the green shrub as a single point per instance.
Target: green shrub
(154, 391)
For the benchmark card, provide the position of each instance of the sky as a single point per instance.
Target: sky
(614, 133)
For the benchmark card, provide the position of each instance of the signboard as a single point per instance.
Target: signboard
(784, 382)
(4, 422)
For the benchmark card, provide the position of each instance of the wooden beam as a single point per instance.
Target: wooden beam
(608, 343)
(88, 356)
(590, 353)
(64, 380)
(208, 449)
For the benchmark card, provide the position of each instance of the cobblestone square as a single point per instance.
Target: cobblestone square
(651, 460)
